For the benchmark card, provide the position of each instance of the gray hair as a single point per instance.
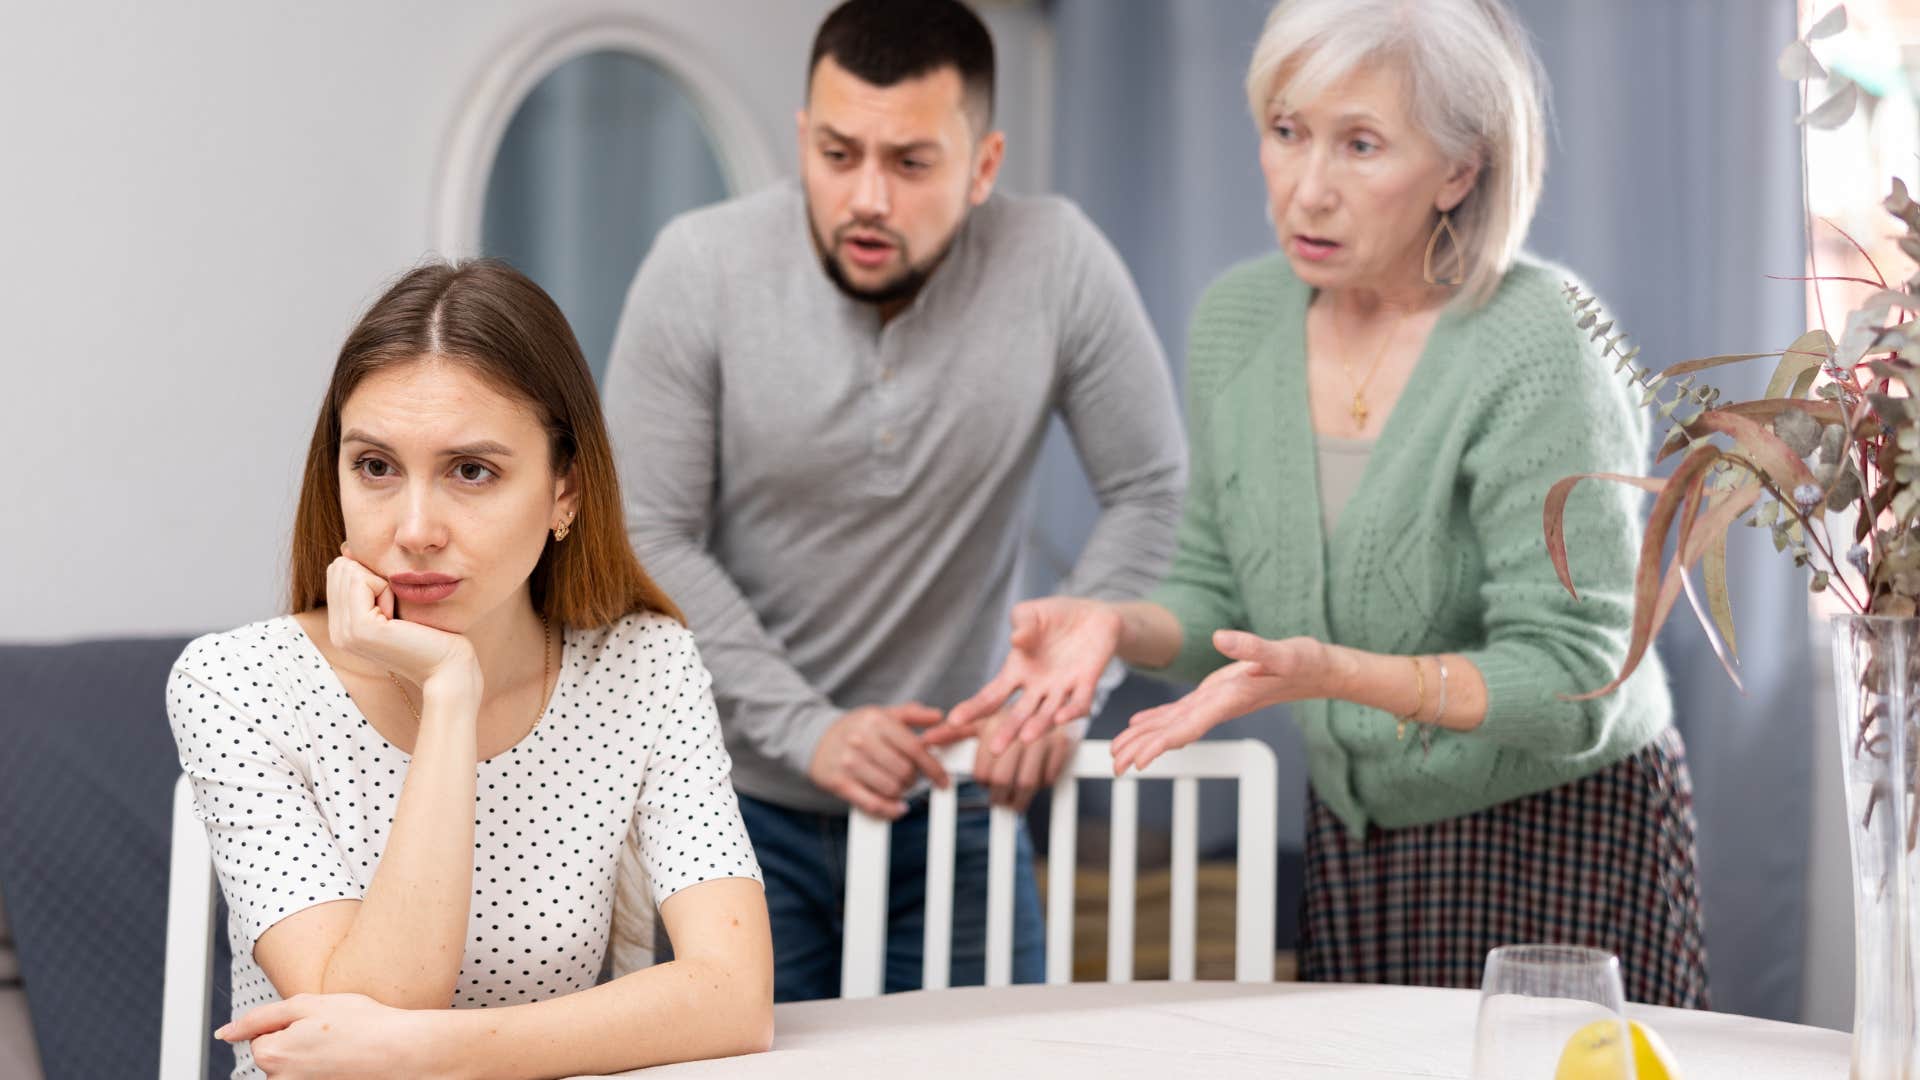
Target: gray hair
(1474, 85)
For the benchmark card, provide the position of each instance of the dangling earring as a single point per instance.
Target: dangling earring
(560, 531)
(1453, 241)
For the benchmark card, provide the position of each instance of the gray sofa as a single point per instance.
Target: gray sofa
(87, 768)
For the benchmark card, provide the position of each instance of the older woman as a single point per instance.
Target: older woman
(1376, 415)
(420, 786)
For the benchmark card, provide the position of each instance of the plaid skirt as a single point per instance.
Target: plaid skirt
(1605, 861)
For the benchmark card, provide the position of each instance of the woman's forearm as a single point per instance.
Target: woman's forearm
(683, 1010)
(1392, 684)
(408, 936)
(1150, 635)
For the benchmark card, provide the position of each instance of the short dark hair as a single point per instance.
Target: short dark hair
(884, 42)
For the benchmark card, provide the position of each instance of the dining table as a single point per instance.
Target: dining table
(1216, 1030)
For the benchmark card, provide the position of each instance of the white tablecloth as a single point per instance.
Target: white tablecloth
(1158, 1030)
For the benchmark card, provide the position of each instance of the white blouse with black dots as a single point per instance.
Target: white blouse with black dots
(297, 792)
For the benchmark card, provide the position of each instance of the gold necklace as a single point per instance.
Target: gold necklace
(546, 674)
(1358, 410)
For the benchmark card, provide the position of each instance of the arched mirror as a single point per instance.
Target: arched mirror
(600, 155)
(574, 152)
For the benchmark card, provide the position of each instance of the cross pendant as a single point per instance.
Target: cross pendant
(1359, 411)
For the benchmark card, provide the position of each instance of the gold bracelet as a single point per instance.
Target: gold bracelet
(1420, 692)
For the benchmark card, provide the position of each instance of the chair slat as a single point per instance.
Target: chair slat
(863, 958)
(1122, 860)
(938, 942)
(1062, 855)
(1186, 872)
(1001, 823)
(1259, 827)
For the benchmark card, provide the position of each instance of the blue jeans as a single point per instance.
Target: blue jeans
(803, 857)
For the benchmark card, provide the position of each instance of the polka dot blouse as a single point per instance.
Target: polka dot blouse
(297, 792)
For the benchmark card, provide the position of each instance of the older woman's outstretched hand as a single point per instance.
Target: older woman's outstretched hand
(1263, 673)
(1061, 644)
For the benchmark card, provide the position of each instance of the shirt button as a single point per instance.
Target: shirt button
(886, 374)
(886, 438)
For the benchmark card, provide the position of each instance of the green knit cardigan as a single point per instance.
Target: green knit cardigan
(1440, 549)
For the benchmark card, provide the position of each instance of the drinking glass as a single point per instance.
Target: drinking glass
(1551, 1011)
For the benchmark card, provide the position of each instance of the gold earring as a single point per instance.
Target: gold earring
(560, 532)
(1459, 257)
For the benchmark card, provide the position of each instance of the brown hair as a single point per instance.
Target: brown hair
(488, 316)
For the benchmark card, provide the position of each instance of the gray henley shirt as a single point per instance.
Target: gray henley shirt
(839, 505)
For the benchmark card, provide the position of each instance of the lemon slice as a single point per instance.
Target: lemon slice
(1595, 1053)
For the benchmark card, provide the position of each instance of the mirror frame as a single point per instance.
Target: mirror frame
(466, 164)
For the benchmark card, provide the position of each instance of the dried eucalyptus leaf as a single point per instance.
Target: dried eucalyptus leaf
(1846, 488)
(1819, 581)
(1892, 410)
(1769, 513)
(1830, 24)
(1834, 111)
(1884, 300)
(1833, 442)
(1797, 62)
(1903, 503)
(1862, 330)
(1799, 431)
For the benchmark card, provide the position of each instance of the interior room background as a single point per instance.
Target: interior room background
(200, 199)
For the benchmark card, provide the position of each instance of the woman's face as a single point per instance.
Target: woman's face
(447, 490)
(1353, 184)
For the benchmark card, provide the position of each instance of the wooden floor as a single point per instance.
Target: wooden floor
(1214, 915)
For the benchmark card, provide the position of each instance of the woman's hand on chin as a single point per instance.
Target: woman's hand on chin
(334, 1035)
(360, 621)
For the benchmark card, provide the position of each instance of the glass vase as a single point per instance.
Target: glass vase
(1876, 677)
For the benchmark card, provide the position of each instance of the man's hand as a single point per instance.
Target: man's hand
(1012, 777)
(872, 755)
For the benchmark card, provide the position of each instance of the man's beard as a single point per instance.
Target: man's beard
(903, 287)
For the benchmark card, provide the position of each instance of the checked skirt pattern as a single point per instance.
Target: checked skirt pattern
(1605, 861)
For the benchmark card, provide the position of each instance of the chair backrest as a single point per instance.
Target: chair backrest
(1251, 762)
(185, 1010)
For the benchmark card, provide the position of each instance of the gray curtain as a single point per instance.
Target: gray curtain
(1673, 190)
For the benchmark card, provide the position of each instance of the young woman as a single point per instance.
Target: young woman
(419, 785)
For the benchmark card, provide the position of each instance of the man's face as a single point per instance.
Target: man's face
(890, 173)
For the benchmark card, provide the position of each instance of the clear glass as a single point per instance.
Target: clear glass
(1875, 693)
(1551, 1010)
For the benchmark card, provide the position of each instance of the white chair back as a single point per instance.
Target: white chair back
(186, 1009)
(1249, 761)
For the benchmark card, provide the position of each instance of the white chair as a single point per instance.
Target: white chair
(186, 1009)
(1252, 763)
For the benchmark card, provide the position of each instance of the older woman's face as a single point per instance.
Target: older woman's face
(447, 490)
(1353, 183)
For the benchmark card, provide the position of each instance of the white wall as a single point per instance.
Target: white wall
(198, 200)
